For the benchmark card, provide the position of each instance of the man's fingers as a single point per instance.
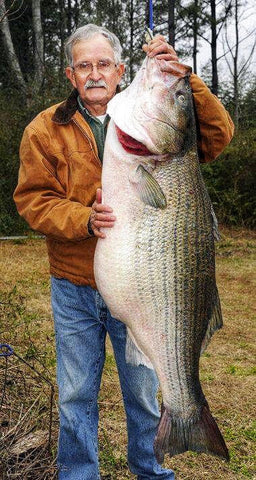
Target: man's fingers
(98, 195)
(99, 207)
(159, 46)
(158, 40)
(102, 220)
(169, 57)
(102, 224)
(97, 225)
(102, 217)
(175, 68)
(98, 233)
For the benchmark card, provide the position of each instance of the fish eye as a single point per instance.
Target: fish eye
(180, 95)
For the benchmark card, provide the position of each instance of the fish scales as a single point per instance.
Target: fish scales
(147, 265)
(156, 267)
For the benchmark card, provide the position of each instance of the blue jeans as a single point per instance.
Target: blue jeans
(82, 321)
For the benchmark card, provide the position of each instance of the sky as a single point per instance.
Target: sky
(247, 24)
(247, 37)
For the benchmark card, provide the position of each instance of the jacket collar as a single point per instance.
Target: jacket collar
(65, 111)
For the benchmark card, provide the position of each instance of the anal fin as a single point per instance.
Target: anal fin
(215, 322)
(215, 226)
(133, 354)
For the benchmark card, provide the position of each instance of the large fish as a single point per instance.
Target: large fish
(156, 267)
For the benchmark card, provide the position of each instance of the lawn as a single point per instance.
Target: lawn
(227, 371)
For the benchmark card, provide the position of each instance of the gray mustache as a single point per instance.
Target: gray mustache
(93, 83)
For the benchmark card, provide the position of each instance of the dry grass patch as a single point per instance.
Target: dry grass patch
(227, 367)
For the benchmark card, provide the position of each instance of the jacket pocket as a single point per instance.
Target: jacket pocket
(84, 177)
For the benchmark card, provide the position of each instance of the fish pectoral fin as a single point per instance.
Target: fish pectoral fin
(147, 188)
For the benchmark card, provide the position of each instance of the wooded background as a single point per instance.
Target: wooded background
(32, 63)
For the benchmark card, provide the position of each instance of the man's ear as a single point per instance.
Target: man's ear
(121, 70)
(70, 75)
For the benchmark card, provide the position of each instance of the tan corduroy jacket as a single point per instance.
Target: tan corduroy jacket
(60, 171)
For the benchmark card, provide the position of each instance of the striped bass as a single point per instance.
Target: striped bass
(156, 267)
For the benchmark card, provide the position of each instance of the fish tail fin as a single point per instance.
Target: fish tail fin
(176, 436)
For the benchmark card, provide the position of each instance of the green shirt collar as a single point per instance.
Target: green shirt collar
(99, 129)
(88, 116)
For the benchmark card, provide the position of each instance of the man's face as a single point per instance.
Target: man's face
(93, 51)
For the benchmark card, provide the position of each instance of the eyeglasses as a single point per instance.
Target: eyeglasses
(103, 66)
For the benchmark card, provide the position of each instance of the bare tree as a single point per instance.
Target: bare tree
(195, 35)
(191, 27)
(236, 67)
(8, 44)
(131, 19)
(171, 22)
(216, 23)
(5, 12)
(39, 43)
(38, 54)
(62, 22)
(215, 82)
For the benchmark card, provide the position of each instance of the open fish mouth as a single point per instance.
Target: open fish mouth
(135, 147)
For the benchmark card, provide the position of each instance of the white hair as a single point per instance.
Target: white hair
(89, 31)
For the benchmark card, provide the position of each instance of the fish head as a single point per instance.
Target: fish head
(154, 115)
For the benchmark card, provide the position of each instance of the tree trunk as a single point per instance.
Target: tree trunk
(69, 18)
(131, 73)
(235, 60)
(39, 43)
(171, 22)
(214, 48)
(195, 34)
(61, 34)
(10, 52)
(75, 13)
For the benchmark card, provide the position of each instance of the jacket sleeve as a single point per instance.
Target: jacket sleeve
(41, 199)
(215, 127)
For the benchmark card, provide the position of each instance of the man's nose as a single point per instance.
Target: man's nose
(95, 74)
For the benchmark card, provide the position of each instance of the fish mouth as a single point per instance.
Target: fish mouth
(131, 145)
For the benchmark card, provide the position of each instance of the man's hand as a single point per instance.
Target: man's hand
(159, 46)
(164, 52)
(101, 216)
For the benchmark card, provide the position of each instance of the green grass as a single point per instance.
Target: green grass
(227, 368)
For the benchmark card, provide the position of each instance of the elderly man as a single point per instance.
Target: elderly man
(59, 195)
